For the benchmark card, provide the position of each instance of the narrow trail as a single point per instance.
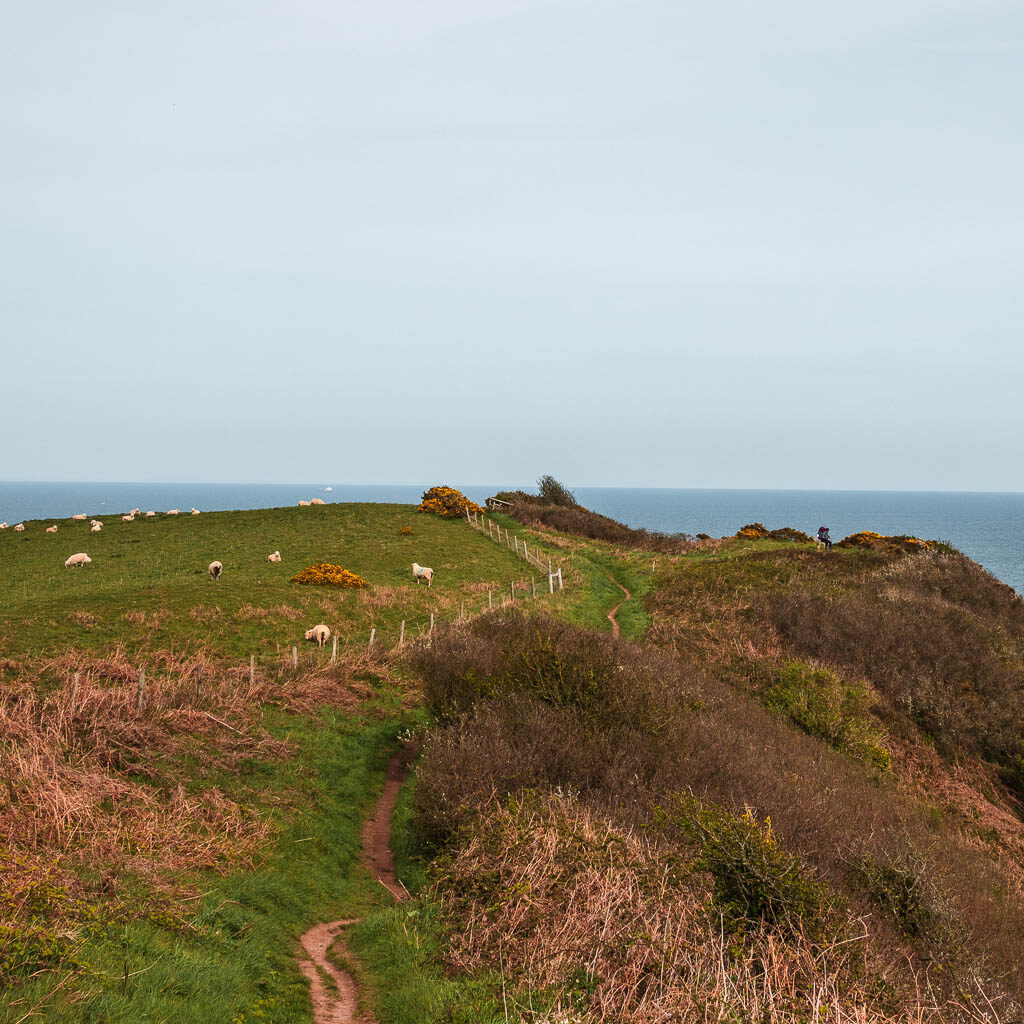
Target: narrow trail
(332, 991)
(612, 614)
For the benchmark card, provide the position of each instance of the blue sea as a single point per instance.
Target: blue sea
(987, 527)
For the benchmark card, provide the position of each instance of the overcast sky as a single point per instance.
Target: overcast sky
(656, 242)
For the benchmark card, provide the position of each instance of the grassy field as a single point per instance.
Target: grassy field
(148, 588)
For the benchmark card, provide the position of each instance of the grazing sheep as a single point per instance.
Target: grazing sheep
(20, 528)
(81, 515)
(3, 526)
(301, 503)
(195, 511)
(215, 570)
(174, 512)
(93, 522)
(275, 557)
(130, 518)
(318, 501)
(80, 559)
(321, 634)
(51, 529)
(149, 515)
(96, 527)
(421, 572)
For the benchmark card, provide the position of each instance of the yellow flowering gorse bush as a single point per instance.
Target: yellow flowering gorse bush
(447, 502)
(325, 574)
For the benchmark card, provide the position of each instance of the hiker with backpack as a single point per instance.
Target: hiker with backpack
(823, 537)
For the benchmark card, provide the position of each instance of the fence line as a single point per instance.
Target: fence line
(482, 524)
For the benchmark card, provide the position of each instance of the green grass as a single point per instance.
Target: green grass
(158, 567)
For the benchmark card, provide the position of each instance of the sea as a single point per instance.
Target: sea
(988, 527)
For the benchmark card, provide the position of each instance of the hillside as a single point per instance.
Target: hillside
(790, 790)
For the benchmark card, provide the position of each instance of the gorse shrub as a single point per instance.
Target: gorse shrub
(756, 880)
(758, 531)
(563, 665)
(879, 541)
(447, 502)
(325, 574)
(823, 705)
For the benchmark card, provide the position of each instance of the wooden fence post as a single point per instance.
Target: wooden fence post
(512, 590)
(373, 633)
(295, 657)
(517, 545)
(401, 634)
(551, 582)
(490, 603)
(559, 577)
(74, 690)
(462, 612)
(334, 651)
(533, 582)
(140, 693)
(252, 669)
(199, 681)
(431, 633)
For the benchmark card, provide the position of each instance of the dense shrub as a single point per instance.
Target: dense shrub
(447, 502)
(870, 539)
(823, 705)
(555, 493)
(326, 574)
(758, 531)
(581, 522)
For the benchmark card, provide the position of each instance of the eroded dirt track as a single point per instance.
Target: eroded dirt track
(612, 614)
(332, 990)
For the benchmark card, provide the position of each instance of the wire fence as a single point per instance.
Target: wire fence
(501, 535)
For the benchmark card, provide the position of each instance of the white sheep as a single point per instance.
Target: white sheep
(195, 511)
(421, 572)
(96, 527)
(149, 515)
(80, 559)
(275, 557)
(3, 526)
(93, 522)
(52, 529)
(303, 503)
(81, 515)
(174, 512)
(20, 528)
(321, 634)
(318, 501)
(215, 570)
(135, 512)
(130, 518)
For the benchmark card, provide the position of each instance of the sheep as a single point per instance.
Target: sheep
(303, 503)
(52, 529)
(93, 522)
(321, 634)
(96, 527)
(275, 557)
(130, 518)
(421, 572)
(318, 501)
(174, 512)
(20, 528)
(3, 526)
(149, 515)
(80, 559)
(195, 511)
(215, 570)
(81, 515)
(135, 512)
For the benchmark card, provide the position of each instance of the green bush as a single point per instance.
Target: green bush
(823, 705)
(755, 880)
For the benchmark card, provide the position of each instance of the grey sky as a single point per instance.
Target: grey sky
(646, 243)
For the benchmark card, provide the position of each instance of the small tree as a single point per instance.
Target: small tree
(555, 493)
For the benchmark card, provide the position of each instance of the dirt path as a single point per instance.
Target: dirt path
(332, 991)
(611, 615)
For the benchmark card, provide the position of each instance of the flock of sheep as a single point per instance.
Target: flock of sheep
(320, 633)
